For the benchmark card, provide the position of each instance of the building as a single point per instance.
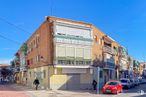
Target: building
(59, 54)
(130, 67)
(67, 54)
(123, 58)
(141, 68)
(136, 68)
(23, 66)
(104, 57)
(6, 73)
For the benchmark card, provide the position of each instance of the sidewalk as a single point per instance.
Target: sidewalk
(56, 93)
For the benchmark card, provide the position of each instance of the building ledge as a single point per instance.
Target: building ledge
(72, 66)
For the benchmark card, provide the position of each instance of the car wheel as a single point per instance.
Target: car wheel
(117, 92)
(121, 91)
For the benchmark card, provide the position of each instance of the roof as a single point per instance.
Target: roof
(4, 65)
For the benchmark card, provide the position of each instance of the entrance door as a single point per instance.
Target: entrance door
(73, 82)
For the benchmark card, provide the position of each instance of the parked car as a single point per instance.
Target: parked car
(126, 83)
(112, 86)
(140, 80)
(137, 82)
(143, 80)
(132, 82)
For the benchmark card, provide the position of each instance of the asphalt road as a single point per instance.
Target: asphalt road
(21, 91)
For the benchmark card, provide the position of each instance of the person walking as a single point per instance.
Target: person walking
(94, 84)
(36, 83)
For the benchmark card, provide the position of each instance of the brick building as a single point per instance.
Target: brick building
(65, 54)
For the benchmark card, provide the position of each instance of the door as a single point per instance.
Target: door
(73, 82)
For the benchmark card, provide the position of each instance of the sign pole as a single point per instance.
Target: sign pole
(98, 83)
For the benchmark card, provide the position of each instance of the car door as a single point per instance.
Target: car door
(119, 86)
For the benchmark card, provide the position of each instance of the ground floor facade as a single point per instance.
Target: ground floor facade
(102, 75)
(61, 78)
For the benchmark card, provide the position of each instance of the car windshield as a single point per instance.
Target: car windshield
(112, 83)
(124, 81)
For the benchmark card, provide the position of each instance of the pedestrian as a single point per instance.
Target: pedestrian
(94, 84)
(36, 83)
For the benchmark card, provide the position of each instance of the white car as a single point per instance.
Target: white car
(143, 80)
(126, 83)
(136, 82)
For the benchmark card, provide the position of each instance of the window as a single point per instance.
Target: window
(70, 62)
(79, 62)
(44, 73)
(88, 62)
(95, 38)
(34, 44)
(28, 62)
(31, 46)
(38, 58)
(31, 61)
(61, 62)
(100, 41)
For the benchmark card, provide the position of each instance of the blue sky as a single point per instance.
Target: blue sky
(123, 20)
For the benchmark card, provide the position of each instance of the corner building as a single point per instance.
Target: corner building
(60, 54)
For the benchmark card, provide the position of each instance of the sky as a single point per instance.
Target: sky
(123, 20)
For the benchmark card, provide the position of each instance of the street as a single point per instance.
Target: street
(9, 91)
(14, 90)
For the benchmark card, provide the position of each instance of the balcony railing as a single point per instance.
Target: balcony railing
(73, 62)
(108, 65)
(16, 69)
(108, 49)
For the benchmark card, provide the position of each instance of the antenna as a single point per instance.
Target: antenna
(51, 8)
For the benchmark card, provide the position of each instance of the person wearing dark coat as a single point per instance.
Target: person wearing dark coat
(36, 83)
(94, 84)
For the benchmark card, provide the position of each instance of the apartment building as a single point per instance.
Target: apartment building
(105, 57)
(67, 54)
(59, 54)
(20, 65)
(123, 73)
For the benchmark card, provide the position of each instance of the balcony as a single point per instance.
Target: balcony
(17, 69)
(82, 63)
(108, 65)
(108, 49)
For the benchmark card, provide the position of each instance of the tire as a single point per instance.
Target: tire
(121, 91)
(117, 92)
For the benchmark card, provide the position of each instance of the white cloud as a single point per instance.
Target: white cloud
(5, 61)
